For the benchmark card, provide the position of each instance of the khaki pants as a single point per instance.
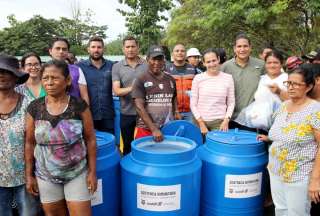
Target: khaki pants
(211, 125)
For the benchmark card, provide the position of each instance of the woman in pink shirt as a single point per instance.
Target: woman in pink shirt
(212, 95)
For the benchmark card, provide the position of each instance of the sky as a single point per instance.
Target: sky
(105, 12)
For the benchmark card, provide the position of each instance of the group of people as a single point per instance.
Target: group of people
(49, 111)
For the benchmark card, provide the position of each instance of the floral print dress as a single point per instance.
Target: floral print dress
(294, 147)
(12, 134)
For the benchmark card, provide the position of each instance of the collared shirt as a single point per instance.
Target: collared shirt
(126, 75)
(246, 80)
(99, 83)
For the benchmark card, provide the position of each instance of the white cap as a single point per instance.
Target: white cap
(193, 52)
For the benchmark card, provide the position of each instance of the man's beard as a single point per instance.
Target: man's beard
(96, 58)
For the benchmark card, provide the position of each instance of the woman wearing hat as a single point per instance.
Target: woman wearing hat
(194, 58)
(12, 130)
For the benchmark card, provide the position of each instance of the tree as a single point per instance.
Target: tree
(81, 26)
(291, 25)
(36, 33)
(31, 35)
(143, 21)
(114, 47)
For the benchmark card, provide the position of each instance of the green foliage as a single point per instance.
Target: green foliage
(36, 33)
(31, 35)
(80, 28)
(290, 25)
(114, 47)
(143, 21)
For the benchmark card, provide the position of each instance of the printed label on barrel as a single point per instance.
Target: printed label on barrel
(158, 198)
(97, 197)
(243, 186)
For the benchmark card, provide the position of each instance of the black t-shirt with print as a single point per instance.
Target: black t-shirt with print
(38, 110)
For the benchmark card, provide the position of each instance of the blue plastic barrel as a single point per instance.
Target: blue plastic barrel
(117, 131)
(161, 178)
(106, 201)
(183, 128)
(233, 174)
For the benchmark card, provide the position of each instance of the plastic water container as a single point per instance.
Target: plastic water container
(161, 178)
(183, 128)
(233, 174)
(117, 107)
(106, 201)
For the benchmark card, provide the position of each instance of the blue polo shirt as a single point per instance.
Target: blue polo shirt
(99, 83)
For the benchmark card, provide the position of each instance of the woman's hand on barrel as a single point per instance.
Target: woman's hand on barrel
(92, 182)
(203, 128)
(157, 135)
(32, 185)
(263, 138)
(224, 125)
(314, 189)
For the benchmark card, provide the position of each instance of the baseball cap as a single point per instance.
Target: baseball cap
(11, 64)
(155, 51)
(193, 52)
(311, 55)
(293, 62)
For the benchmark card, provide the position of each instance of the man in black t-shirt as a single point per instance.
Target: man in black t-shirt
(154, 94)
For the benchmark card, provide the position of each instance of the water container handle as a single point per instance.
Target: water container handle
(180, 131)
(234, 138)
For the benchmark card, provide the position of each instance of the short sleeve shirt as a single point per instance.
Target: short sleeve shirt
(12, 134)
(294, 148)
(82, 80)
(158, 94)
(126, 75)
(23, 89)
(60, 151)
(246, 80)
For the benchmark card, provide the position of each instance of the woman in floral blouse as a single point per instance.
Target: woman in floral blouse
(295, 134)
(13, 107)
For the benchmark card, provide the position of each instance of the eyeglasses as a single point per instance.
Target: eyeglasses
(36, 65)
(293, 84)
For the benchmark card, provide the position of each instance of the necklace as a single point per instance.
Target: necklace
(62, 111)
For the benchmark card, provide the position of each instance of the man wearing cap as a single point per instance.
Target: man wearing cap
(310, 56)
(123, 75)
(154, 94)
(12, 136)
(316, 59)
(183, 73)
(194, 58)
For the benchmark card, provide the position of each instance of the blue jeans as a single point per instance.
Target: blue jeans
(290, 199)
(26, 204)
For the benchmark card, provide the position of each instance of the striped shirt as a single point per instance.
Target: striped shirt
(212, 97)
